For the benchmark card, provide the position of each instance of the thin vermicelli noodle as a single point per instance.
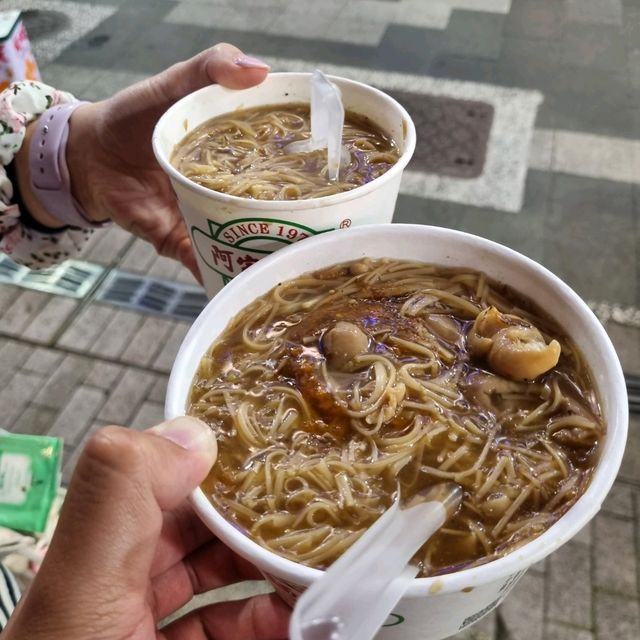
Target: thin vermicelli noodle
(244, 154)
(338, 387)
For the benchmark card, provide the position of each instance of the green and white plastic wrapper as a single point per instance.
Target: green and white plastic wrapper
(437, 607)
(230, 233)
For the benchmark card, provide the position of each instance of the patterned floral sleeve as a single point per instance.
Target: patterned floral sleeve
(20, 104)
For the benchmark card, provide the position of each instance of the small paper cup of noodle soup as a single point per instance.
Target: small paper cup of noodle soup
(229, 232)
(434, 607)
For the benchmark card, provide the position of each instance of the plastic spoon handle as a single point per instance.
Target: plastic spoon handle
(327, 123)
(356, 594)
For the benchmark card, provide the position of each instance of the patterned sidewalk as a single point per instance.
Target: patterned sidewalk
(555, 176)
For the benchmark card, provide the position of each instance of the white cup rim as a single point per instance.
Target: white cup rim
(518, 560)
(291, 205)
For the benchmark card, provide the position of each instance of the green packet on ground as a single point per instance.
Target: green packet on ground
(29, 479)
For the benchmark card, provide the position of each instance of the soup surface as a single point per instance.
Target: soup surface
(243, 154)
(340, 387)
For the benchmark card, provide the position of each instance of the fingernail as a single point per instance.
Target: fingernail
(249, 62)
(188, 433)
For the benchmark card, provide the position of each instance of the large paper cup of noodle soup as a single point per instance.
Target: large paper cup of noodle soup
(230, 233)
(440, 606)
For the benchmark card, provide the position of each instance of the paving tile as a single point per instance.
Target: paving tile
(599, 94)
(108, 82)
(595, 11)
(398, 47)
(103, 375)
(227, 16)
(59, 387)
(43, 361)
(536, 19)
(579, 254)
(148, 341)
(15, 396)
(523, 50)
(631, 26)
(569, 585)
(159, 390)
(364, 31)
(14, 350)
(149, 414)
(584, 536)
(594, 46)
(87, 327)
(596, 156)
(110, 246)
(105, 45)
(35, 420)
(51, 318)
(23, 311)
(617, 618)
(8, 293)
(444, 65)
(71, 460)
(474, 34)
(13, 354)
(541, 149)
(522, 611)
(630, 467)
(164, 360)
(306, 20)
(139, 257)
(126, 397)
(615, 555)
(619, 502)
(555, 631)
(626, 341)
(164, 268)
(117, 335)
(78, 414)
(185, 276)
(74, 78)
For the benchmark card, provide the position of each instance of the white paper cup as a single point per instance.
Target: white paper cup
(230, 233)
(432, 608)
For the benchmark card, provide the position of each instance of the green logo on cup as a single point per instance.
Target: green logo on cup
(393, 620)
(230, 248)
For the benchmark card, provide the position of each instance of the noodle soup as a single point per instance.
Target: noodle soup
(244, 154)
(336, 388)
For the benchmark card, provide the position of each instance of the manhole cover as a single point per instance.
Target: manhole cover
(40, 23)
(452, 134)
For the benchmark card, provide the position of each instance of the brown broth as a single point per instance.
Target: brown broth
(244, 153)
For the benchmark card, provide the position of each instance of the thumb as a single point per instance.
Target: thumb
(112, 516)
(222, 64)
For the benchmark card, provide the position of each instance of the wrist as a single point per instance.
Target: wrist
(82, 147)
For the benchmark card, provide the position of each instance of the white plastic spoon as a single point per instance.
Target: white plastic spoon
(327, 122)
(353, 598)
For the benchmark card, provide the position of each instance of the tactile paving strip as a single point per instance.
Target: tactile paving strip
(149, 295)
(71, 278)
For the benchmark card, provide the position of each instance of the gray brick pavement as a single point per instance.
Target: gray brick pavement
(615, 555)
(78, 414)
(523, 611)
(569, 586)
(617, 617)
(126, 397)
(50, 319)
